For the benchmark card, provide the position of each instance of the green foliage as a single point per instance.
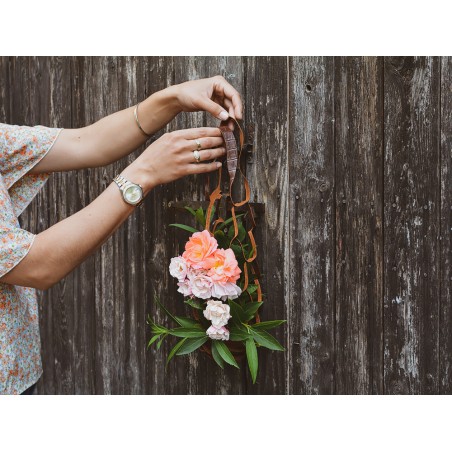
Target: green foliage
(190, 345)
(216, 355)
(266, 339)
(268, 325)
(175, 349)
(184, 226)
(194, 304)
(187, 332)
(251, 355)
(225, 353)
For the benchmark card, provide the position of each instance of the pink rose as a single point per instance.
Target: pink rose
(185, 287)
(201, 284)
(225, 268)
(221, 333)
(199, 250)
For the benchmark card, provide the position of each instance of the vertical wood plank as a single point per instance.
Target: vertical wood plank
(266, 117)
(411, 211)
(310, 234)
(158, 248)
(445, 384)
(83, 276)
(5, 87)
(359, 238)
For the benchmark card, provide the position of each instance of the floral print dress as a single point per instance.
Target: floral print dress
(21, 148)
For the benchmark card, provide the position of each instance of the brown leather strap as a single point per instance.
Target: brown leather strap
(234, 149)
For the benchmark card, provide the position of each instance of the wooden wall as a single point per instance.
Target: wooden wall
(352, 159)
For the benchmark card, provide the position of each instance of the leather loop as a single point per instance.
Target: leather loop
(234, 149)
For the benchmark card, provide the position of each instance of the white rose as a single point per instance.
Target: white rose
(217, 313)
(221, 333)
(225, 291)
(178, 268)
(201, 285)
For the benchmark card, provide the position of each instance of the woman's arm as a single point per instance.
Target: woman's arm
(117, 135)
(59, 249)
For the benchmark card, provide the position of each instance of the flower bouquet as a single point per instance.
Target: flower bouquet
(213, 275)
(208, 275)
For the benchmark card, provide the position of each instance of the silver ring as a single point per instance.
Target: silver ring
(198, 143)
(197, 156)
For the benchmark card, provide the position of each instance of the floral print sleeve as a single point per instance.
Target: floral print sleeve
(21, 148)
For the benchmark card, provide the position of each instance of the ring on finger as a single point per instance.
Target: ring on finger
(198, 143)
(197, 156)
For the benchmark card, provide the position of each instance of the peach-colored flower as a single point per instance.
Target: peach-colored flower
(225, 268)
(199, 250)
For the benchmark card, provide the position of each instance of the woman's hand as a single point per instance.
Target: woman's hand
(214, 95)
(171, 157)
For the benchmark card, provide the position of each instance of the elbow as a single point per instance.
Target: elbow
(43, 280)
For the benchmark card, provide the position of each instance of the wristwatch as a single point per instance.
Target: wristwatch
(131, 193)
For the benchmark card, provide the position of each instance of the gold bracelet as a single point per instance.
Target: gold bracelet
(135, 112)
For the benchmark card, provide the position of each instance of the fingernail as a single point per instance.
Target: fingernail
(224, 115)
(219, 164)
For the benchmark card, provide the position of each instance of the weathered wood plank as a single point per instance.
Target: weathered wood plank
(359, 238)
(411, 227)
(266, 117)
(83, 276)
(5, 89)
(158, 250)
(310, 234)
(445, 383)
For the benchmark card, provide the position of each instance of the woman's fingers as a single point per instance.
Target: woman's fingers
(198, 132)
(197, 168)
(206, 143)
(224, 89)
(204, 154)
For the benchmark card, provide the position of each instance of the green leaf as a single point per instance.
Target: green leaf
(237, 312)
(190, 210)
(266, 340)
(251, 288)
(251, 355)
(200, 217)
(159, 344)
(153, 339)
(187, 332)
(242, 231)
(156, 299)
(186, 322)
(216, 356)
(237, 334)
(225, 353)
(251, 309)
(229, 220)
(268, 325)
(212, 213)
(190, 345)
(194, 304)
(184, 226)
(175, 349)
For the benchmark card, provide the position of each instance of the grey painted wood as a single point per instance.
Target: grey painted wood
(351, 157)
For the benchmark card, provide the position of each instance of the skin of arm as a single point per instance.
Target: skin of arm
(62, 247)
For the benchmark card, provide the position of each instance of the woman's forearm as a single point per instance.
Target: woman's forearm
(117, 135)
(59, 249)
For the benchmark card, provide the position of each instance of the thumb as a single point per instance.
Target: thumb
(215, 110)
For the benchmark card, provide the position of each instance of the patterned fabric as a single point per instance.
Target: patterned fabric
(21, 148)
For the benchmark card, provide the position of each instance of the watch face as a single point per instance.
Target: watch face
(133, 194)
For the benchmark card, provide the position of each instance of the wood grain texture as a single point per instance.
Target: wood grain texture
(359, 238)
(411, 236)
(310, 232)
(352, 160)
(445, 338)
